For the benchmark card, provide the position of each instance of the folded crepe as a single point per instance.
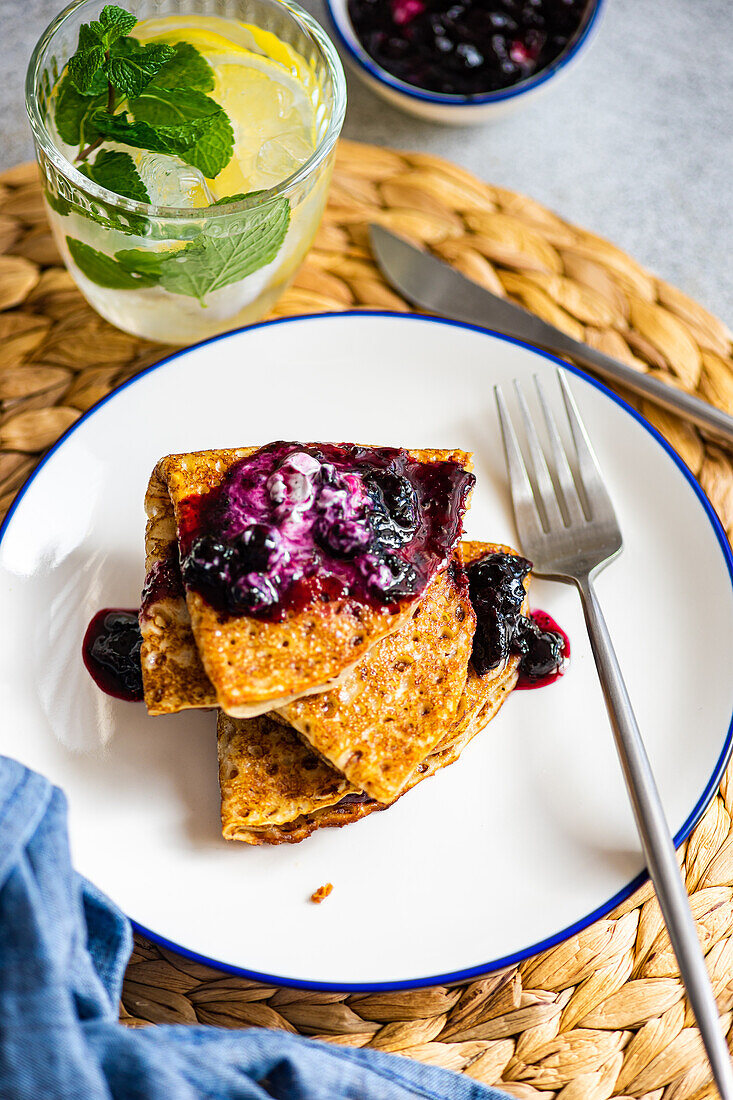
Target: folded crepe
(276, 789)
(194, 656)
(391, 710)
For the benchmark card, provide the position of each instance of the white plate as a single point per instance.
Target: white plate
(529, 836)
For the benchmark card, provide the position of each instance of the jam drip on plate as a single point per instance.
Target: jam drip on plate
(295, 522)
(496, 589)
(111, 652)
(545, 651)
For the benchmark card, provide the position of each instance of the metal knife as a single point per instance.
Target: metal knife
(432, 285)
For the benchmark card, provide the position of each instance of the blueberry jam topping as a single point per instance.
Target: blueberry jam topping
(294, 523)
(465, 47)
(111, 652)
(163, 580)
(496, 590)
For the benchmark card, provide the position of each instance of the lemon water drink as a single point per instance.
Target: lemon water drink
(186, 156)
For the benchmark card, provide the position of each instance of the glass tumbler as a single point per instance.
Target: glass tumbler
(208, 285)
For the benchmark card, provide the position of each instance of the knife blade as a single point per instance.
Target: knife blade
(433, 285)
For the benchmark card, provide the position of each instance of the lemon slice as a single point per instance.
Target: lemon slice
(267, 90)
(272, 122)
(177, 28)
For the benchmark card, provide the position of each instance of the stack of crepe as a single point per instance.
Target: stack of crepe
(331, 714)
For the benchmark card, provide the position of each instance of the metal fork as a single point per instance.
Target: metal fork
(570, 532)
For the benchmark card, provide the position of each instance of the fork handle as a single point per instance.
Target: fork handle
(657, 842)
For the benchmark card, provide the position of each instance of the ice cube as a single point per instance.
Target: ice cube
(171, 182)
(285, 99)
(280, 156)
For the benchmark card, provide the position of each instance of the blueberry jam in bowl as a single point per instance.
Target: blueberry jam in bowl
(462, 61)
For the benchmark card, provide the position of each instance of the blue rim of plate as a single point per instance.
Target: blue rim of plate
(492, 965)
(362, 60)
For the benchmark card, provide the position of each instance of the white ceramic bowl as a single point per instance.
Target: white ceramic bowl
(456, 109)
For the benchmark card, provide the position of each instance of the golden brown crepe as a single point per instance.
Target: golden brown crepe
(393, 708)
(245, 665)
(276, 790)
(173, 676)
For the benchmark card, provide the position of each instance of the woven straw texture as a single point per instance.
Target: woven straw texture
(602, 1015)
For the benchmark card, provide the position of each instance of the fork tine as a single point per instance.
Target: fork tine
(591, 478)
(543, 481)
(568, 493)
(525, 511)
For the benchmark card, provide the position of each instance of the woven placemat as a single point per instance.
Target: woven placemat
(602, 1015)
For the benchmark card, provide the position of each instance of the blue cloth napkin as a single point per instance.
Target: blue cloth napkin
(63, 950)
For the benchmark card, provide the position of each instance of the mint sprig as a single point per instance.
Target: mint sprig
(162, 89)
(113, 23)
(95, 64)
(153, 96)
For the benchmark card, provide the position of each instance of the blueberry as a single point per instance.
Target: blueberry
(397, 496)
(501, 21)
(252, 593)
(499, 45)
(470, 55)
(342, 538)
(541, 652)
(208, 564)
(255, 548)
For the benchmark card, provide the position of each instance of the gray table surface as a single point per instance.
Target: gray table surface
(636, 143)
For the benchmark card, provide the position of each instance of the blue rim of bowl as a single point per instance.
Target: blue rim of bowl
(362, 60)
(492, 965)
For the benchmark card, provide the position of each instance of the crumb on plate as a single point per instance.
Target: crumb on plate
(322, 892)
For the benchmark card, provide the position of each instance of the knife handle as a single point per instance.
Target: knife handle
(712, 421)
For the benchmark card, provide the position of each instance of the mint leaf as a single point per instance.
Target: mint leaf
(72, 113)
(251, 240)
(141, 135)
(86, 62)
(117, 172)
(113, 23)
(187, 68)
(138, 261)
(133, 71)
(212, 151)
(125, 47)
(172, 106)
(103, 270)
(89, 39)
(57, 202)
